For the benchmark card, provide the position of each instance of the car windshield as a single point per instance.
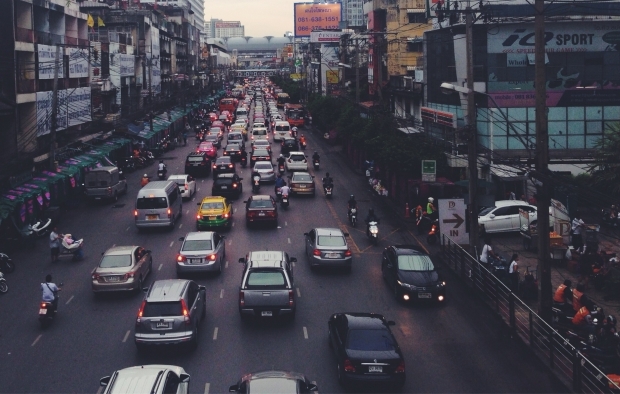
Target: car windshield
(263, 166)
(151, 203)
(197, 244)
(261, 152)
(302, 178)
(486, 211)
(331, 240)
(235, 137)
(265, 278)
(297, 157)
(222, 160)
(261, 204)
(272, 385)
(157, 309)
(215, 129)
(195, 158)
(259, 132)
(115, 261)
(222, 181)
(415, 263)
(212, 205)
(372, 340)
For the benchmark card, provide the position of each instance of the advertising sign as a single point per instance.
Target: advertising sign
(325, 36)
(452, 215)
(127, 64)
(78, 106)
(227, 25)
(47, 61)
(44, 112)
(316, 16)
(329, 64)
(429, 170)
(154, 59)
(78, 62)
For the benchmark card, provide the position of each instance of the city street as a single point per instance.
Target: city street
(455, 347)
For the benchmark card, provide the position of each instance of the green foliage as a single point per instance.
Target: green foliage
(606, 168)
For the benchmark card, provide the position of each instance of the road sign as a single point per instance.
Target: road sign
(289, 55)
(429, 170)
(452, 215)
(297, 62)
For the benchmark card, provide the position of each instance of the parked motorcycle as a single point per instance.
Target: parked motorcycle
(4, 287)
(610, 218)
(373, 232)
(316, 164)
(353, 216)
(256, 184)
(6, 264)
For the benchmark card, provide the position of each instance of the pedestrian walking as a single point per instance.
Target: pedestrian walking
(513, 272)
(185, 138)
(577, 226)
(55, 240)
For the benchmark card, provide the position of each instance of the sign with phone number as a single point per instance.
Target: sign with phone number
(316, 16)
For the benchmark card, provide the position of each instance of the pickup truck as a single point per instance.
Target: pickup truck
(266, 289)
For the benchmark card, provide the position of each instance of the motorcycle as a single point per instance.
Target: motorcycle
(127, 164)
(47, 312)
(161, 174)
(302, 145)
(328, 189)
(284, 201)
(281, 168)
(255, 183)
(373, 232)
(433, 233)
(316, 164)
(353, 216)
(4, 287)
(278, 194)
(244, 160)
(6, 264)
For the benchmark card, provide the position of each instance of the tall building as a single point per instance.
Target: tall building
(217, 28)
(352, 11)
(196, 6)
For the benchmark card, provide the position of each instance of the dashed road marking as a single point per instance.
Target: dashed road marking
(233, 224)
(161, 265)
(171, 243)
(193, 199)
(305, 333)
(126, 336)
(69, 300)
(226, 265)
(187, 212)
(222, 293)
(207, 387)
(198, 189)
(36, 340)
(285, 223)
(113, 245)
(180, 225)
(235, 210)
(293, 263)
(230, 242)
(215, 334)
(289, 240)
(127, 229)
(298, 293)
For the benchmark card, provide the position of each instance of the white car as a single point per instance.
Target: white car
(296, 161)
(504, 215)
(186, 183)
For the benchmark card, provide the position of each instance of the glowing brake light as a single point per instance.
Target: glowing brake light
(211, 257)
(181, 258)
(400, 368)
(348, 253)
(141, 310)
(290, 298)
(135, 213)
(241, 299)
(348, 366)
(169, 212)
(316, 252)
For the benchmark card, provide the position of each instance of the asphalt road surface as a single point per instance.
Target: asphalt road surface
(456, 347)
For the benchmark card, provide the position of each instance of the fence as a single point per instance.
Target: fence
(564, 360)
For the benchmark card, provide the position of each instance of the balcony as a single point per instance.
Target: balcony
(45, 38)
(24, 35)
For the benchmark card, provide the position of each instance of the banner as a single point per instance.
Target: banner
(78, 62)
(325, 36)
(47, 61)
(78, 106)
(127, 64)
(153, 57)
(44, 112)
(330, 53)
(316, 16)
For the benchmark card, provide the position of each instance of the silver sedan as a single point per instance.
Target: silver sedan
(201, 251)
(265, 170)
(122, 268)
(328, 247)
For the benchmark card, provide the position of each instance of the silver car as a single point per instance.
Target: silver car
(328, 247)
(153, 378)
(122, 268)
(265, 170)
(201, 251)
(296, 161)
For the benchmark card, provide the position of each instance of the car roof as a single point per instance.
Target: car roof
(266, 259)
(262, 163)
(364, 320)
(166, 290)
(261, 150)
(199, 235)
(408, 250)
(120, 250)
(296, 153)
(300, 173)
(226, 175)
(507, 203)
(197, 154)
(329, 231)
(213, 198)
(141, 378)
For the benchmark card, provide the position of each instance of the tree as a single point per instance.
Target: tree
(606, 167)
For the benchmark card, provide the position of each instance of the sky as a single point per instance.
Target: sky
(260, 17)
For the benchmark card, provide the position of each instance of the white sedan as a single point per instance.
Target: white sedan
(187, 185)
(296, 161)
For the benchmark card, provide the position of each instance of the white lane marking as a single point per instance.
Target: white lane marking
(230, 242)
(187, 212)
(207, 387)
(161, 265)
(127, 229)
(286, 224)
(193, 199)
(126, 336)
(298, 293)
(235, 210)
(69, 300)
(222, 293)
(171, 243)
(313, 382)
(289, 240)
(202, 182)
(36, 340)
(198, 189)
(215, 334)
(180, 225)
(101, 389)
(293, 263)
(305, 333)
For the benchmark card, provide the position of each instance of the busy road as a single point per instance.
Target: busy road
(453, 347)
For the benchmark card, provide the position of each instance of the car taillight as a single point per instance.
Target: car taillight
(129, 275)
(271, 213)
(290, 298)
(226, 216)
(95, 276)
(214, 166)
(348, 253)
(400, 368)
(241, 299)
(135, 213)
(43, 305)
(141, 310)
(198, 216)
(234, 185)
(316, 252)
(181, 258)
(348, 366)
(186, 316)
(210, 257)
(230, 166)
(169, 213)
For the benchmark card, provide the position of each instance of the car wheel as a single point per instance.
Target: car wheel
(140, 285)
(341, 376)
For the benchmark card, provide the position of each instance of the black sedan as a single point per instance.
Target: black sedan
(411, 274)
(289, 144)
(259, 155)
(366, 351)
(223, 165)
(235, 152)
(227, 185)
(261, 209)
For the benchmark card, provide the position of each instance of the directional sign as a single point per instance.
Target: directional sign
(452, 220)
(429, 170)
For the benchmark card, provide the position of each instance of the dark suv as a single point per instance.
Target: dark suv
(171, 312)
(198, 164)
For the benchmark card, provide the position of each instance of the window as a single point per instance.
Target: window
(195, 245)
(172, 197)
(417, 17)
(156, 309)
(415, 263)
(503, 211)
(265, 279)
(192, 293)
(172, 383)
(212, 205)
(370, 340)
(111, 261)
(152, 203)
(329, 240)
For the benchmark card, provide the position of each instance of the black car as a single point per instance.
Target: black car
(198, 164)
(223, 165)
(235, 152)
(289, 145)
(411, 274)
(227, 185)
(366, 351)
(260, 155)
(274, 382)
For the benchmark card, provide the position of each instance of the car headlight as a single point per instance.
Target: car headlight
(406, 285)
(441, 284)
(374, 230)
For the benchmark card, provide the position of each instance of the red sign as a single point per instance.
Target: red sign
(316, 16)
(439, 117)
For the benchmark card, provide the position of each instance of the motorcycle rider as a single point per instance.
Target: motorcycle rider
(161, 166)
(563, 296)
(352, 203)
(327, 180)
(294, 132)
(316, 156)
(144, 180)
(579, 299)
(431, 211)
(371, 217)
(280, 182)
(583, 318)
(285, 190)
(50, 292)
(302, 140)
(281, 160)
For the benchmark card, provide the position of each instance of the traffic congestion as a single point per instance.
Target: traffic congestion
(249, 251)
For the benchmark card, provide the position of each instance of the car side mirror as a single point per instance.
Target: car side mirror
(197, 203)
(293, 259)
(311, 387)
(181, 238)
(346, 234)
(202, 288)
(145, 289)
(102, 253)
(147, 251)
(306, 234)
(234, 388)
(184, 378)
(492, 216)
(391, 323)
(242, 260)
(246, 201)
(104, 381)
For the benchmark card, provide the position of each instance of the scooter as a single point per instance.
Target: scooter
(302, 145)
(4, 287)
(161, 174)
(6, 264)
(353, 216)
(316, 164)
(47, 312)
(373, 232)
(284, 201)
(328, 190)
(279, 194)
(281, 168)
(255, 183)
(607, 220)
(244, 160)
(433, 233)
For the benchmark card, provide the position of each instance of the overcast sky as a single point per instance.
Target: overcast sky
(260, 17)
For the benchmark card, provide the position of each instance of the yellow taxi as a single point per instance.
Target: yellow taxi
(214, 212)
(240, 127)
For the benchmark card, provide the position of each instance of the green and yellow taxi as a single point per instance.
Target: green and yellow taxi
(214, 212)
(240, 127)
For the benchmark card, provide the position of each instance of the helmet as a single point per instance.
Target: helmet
(327, 175)
(316, 153)
(281, 155)
(352, 197)
(431, 199)
(294, 129)
(302, 134)
(611, 320)
(146, 176)
(48, 277)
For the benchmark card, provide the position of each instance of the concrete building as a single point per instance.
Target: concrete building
(352, 12)
(217, 28)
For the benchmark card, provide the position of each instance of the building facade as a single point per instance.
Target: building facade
(217, 28)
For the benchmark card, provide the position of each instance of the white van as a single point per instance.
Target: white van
(241, 111)
(158, 205)
(281, 130)
(259, 133)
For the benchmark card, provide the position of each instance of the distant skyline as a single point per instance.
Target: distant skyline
(260, 17)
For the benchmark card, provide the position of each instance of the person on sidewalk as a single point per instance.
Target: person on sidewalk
(577, 226)
(513, 272)
(563, 296)
(579, 298)
(487, 255)
(55, 240)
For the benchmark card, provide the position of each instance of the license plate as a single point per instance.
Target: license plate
(195, 261)
(212, 217)
(112, 279)
(302, 186)
(266, 313)
(224, 187)
(151, 217)
(424, 295)
(162, 325)
(373, 368)
(261, 214)
(42, 311)
(332, 255)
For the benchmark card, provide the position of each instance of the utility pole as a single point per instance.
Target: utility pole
(54, 117)
(543, 199)
(150, 94)
(357, 71)
(379, 60)
(472, 133)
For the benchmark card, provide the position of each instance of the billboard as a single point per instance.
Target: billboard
(78, 62)
(47, 61)
(325, 36)
(579, 59)
(316, 16)
(78, 106)
(227, 25)
(330, 54)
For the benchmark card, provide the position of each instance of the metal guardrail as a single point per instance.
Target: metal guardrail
(563, 359)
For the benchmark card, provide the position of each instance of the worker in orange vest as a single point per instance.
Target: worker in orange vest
(563, 297)
(581, 317)
(578, 297)
(144, 180)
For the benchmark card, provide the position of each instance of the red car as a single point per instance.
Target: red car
(208, 148)
(228, 114)
(213, 116)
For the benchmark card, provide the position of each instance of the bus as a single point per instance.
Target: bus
(294, 114)
(282, 99)
(228, 104)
